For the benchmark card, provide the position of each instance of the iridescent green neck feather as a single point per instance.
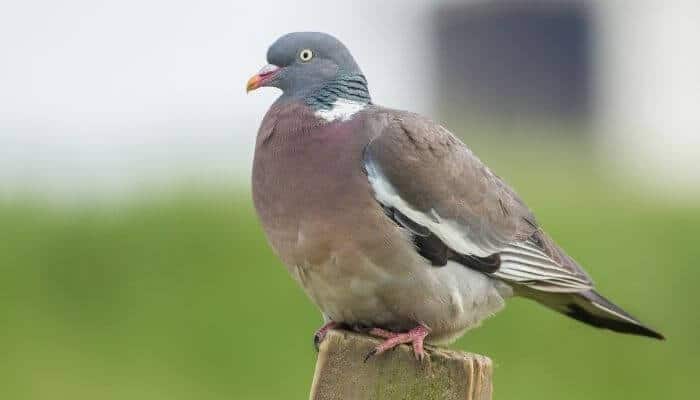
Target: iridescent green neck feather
(350, 88)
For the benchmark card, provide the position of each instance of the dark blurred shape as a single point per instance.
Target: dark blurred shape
(526, 60)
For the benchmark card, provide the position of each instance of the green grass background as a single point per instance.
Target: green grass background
(178, 296)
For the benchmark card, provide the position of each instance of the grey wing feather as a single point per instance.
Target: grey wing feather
(422, 170)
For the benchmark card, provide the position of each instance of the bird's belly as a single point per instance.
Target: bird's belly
(449, 300)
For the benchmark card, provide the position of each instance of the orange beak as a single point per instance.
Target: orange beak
(263, 76)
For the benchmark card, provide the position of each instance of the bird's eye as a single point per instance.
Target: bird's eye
(306, 55)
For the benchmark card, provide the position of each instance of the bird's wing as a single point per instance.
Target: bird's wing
(429, 182)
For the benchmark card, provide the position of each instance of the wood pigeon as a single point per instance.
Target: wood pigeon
(388, 221)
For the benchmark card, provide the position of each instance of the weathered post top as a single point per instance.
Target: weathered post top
(341, 372)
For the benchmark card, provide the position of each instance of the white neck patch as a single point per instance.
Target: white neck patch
(342, 109)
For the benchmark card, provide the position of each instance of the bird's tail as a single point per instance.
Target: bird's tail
(593, 309)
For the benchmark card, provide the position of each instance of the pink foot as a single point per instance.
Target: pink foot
(415, 337)
(321, 332)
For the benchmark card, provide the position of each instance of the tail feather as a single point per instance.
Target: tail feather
(591, 308)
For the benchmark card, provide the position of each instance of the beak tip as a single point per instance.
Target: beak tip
(261, 77)
(253, 83)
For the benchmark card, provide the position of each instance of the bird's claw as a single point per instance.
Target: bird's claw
(370, 354)
(415, 337)
(321, 332)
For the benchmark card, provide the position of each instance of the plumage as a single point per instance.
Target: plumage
(388, 220)
(421, 169)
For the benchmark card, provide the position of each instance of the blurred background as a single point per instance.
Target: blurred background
(132, 265)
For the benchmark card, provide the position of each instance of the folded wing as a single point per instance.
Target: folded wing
(430, 183)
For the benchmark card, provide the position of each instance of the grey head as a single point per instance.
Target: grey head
(314, 67)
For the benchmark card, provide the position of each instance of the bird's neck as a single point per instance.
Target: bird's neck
(340, 98)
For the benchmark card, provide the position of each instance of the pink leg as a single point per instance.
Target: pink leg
(415, 337)
(321, 332)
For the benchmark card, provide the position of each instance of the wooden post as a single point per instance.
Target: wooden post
(342, 374)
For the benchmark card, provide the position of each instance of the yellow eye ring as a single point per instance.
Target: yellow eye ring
(306, 55)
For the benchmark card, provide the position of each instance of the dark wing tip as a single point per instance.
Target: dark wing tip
(581, 314)
(592, 308)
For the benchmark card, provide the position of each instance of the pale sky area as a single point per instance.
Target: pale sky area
(102, 95)
(105, 96)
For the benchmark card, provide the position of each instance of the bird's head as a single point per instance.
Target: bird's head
(303, 63)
